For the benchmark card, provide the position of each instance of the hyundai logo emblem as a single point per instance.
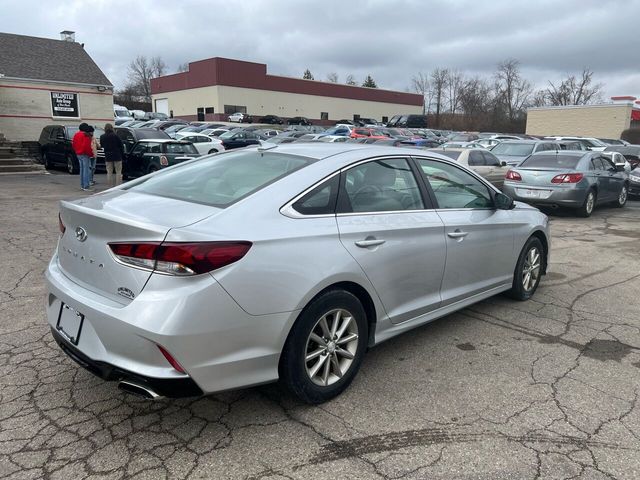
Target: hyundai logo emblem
(81, 234)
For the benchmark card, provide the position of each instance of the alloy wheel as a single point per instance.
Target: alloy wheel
(69, 164)
(622, 198)
(531, 269)
(590, 202)
(331, 347)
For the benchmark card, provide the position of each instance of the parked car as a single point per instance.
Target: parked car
(266, 133)
(333, 138)
(630, 152)
(488, 143)
(121, 113)
(172, 130)
(342, 130)
(613, 141)
(164, 124)
(241, 268)
(408, 121)
(299, 121)
(130, 136)
(271, 120)
(420, 142)
(589, 142)
(571, 145)
(240, 117)
(481, 161)
(203, 143)
(344, 121)
(148, 156)
(238, 139)
(360, 132)
(155, 116)
(572, 179)
(463, 137)
(56, 150)
(515, 151)
(634, 181)
(138, 114)
(369, 122)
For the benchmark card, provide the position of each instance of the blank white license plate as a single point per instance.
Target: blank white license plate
(70, 323)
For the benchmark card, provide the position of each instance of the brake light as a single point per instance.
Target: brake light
(513, 175)
(174, 363)
(180, 258)
(567, 178)
(61, 225)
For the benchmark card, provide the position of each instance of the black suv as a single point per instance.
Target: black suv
(56, 149)
(271, 120)
(239, 138)
(299, 121)
(408, 121)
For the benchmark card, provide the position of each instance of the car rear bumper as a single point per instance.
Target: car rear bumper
(634, 188)
(565, 196)
(218, 344)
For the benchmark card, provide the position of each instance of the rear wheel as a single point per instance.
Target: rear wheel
(72, 165)
(589, 204)
(213, 150)
(528, 272)
(325, 347)
(46, 161)
(622, 198)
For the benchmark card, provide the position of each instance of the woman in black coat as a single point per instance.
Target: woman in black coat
(113, 153)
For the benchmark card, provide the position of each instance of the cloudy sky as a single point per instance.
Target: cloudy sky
(390, 40)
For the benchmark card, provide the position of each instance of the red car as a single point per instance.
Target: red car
(367, 133)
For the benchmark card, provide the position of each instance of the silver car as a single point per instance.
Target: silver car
(569, 178)
(283, 262)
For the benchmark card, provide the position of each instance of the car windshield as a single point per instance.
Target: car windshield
(227, 135)
(224, 179)
(514, 149)
(551, 161)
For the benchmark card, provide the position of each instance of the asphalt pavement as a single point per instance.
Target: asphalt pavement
(502, 390)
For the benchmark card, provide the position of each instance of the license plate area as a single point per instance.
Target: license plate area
(70, 323)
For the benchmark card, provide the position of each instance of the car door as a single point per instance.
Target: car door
(615, 179)
(385, 223)
(479, 238)
(134, 163)
(58, 141)
(600, 179)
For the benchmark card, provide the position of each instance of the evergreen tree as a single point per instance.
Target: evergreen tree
(369, 82)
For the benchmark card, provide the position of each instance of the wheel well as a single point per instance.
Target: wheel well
(364, 297)
(545, 244)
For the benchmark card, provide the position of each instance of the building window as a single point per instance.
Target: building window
(324, 115)
(229, 109)
(201, 114)
(385, 119)
(208, 110)
(356, 117)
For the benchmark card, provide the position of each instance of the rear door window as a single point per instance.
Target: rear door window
(476, 159)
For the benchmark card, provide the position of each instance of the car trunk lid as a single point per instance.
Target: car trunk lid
(120, 216)
(539, 176)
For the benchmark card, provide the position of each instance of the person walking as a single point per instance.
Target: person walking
(113, 153)
(81, 144)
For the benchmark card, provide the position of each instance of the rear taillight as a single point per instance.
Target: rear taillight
(513, 175)
(174, 363)
(567, 178)
(180, 258)
(61, 225)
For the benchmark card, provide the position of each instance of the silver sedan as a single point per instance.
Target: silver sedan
(283, 262)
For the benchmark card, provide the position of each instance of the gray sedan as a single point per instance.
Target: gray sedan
(572, 179)
(283, 262)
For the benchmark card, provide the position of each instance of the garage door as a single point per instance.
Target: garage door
(162, 106)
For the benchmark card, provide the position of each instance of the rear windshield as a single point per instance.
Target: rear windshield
(515, 149)
(551, 161)
(223, 179)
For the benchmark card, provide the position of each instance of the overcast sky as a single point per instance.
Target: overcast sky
(390, 40)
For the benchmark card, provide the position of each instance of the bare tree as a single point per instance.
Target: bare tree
(183, 67)
(439, 78)
(539, 99)
(332, 77)
(575, 90)
(307, 75)
(141, 71)
(454, 84)
(512, 90)
(420, 84)
(351, 80)
(474, 97)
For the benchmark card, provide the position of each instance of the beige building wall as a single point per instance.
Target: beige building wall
(600, 121)
(25, 107)
(264, 102)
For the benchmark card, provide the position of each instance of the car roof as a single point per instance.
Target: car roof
(572, 153)
(161, 140)
(526, 140)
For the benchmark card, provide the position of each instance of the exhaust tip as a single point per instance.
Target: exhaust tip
(138, 390)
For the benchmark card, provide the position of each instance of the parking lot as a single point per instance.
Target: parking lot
(541, 389)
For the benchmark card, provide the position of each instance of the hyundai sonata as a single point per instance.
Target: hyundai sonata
(283, 262)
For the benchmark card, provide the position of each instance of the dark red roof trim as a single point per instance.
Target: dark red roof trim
(236, 73)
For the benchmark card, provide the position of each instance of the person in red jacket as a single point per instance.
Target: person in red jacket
(81, 145)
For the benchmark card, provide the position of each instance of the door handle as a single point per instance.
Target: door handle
(374, 242)
(457, 234)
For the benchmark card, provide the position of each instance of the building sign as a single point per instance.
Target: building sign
(65, 104)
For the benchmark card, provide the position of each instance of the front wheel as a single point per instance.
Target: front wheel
(46, 161)
(589, 203)
(528, 272)
(622, 198)
(72, 167)
(325, 347)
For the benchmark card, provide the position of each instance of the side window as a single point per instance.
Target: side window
(453, 187)
(380, 186)
(596, 164)
(476, 159)
(490, 159)
(607, 164)
(140, 149)
(321, 200)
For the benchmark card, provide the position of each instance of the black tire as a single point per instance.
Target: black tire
(292, 367)
(73, 167)
(518, 290)
(46, 161)
(622, 197)
(586, 209)
(213, 150)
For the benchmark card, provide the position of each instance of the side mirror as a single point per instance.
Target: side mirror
(503, 202)
(503, 163)
(619, 167)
